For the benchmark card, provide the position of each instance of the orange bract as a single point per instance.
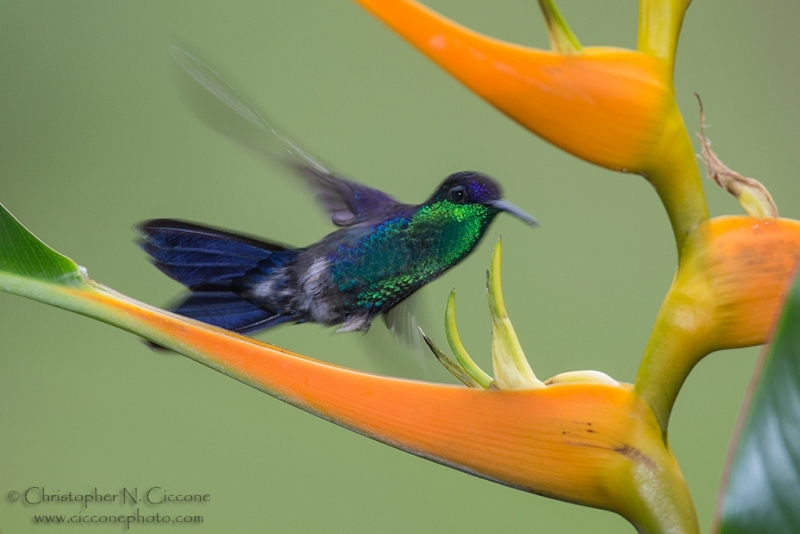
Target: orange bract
(579, 442)
(605, 105)
(728, 292)
(752, 264)
(610, 106)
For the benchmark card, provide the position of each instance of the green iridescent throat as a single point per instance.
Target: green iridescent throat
(403, 254)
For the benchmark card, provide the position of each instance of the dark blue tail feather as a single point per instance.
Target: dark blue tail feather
(199, 256)
(228, 310)
(216, 265)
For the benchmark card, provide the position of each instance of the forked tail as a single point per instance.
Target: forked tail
(218, 267)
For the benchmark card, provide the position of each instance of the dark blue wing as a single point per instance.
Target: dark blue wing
(346, 201)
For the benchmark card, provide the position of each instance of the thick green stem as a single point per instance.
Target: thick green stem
(660, 24)
(662, 492)
(676, 176)
(667, 362)
(681, 337)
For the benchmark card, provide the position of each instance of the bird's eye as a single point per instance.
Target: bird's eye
(458, 194)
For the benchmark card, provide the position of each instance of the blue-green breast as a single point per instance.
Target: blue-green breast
(382, 267)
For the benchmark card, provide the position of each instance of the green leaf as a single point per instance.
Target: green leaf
(22, 254)
(762, 491)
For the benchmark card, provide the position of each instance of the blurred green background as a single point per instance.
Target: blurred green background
(95, 137)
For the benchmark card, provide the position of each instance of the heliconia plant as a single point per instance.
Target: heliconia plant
(579, 436)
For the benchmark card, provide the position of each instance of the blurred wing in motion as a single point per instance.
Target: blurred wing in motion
(403, 321)
(346, 201)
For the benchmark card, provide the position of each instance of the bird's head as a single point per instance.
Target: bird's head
(468, 187)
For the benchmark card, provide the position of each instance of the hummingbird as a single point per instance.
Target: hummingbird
(383, 252)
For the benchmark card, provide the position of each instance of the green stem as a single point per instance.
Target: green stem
(677, 179)
(562, 40)
(681, 337)
(660, 24)
(661, 494)
(664, 368)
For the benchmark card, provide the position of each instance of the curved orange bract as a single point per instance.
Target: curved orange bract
(751, 263)
(605, 105)
(610, 106)
(579, 442)
(728, 293)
